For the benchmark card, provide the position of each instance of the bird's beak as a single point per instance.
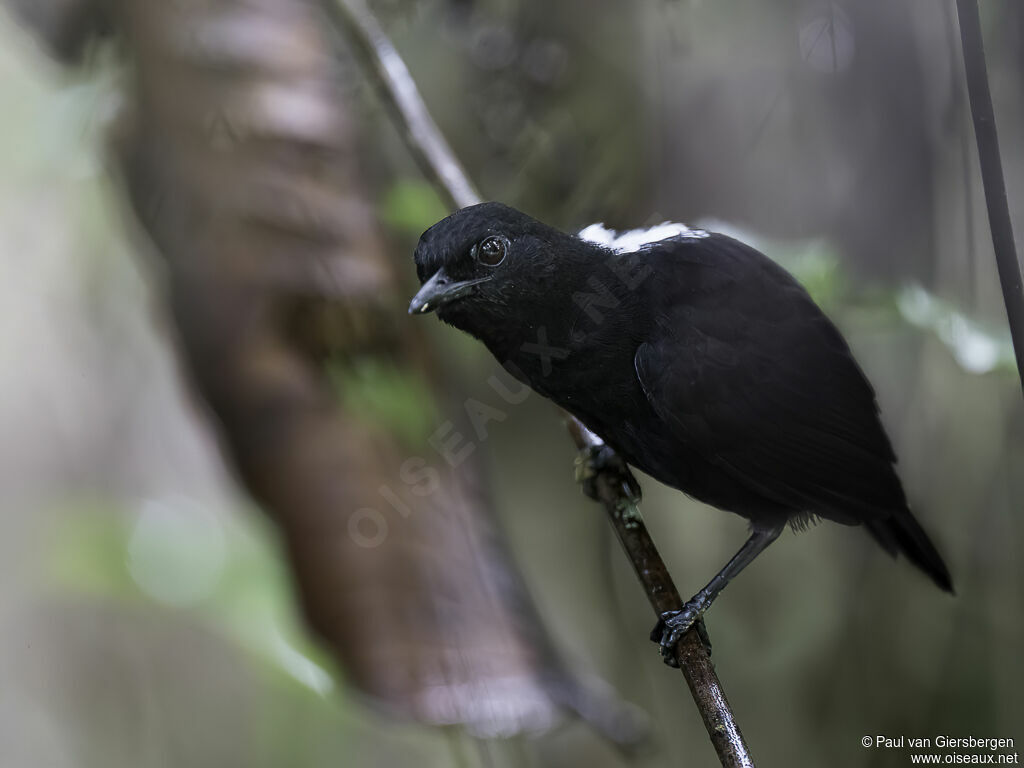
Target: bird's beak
(440, 290)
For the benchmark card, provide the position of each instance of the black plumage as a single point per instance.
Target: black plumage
(697, 358)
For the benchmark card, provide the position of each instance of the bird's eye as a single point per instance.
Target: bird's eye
(491, 251)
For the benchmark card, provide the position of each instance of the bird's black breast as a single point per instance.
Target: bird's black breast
(718, 375)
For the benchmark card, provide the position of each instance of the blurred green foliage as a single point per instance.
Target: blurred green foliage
(151, 560)
(385, 394)
(410, 206)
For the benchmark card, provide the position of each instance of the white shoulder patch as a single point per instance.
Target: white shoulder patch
(635, 239)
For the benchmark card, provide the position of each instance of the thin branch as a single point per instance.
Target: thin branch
(400, 94)
(398, 90)
(692, 656)
(992, 174)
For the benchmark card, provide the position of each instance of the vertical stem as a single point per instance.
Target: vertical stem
(992, 173)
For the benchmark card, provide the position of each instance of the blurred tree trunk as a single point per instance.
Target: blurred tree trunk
(241, 162)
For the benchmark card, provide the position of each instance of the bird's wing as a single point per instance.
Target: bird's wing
(747, 371)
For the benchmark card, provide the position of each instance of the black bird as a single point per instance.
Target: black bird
(697, 358)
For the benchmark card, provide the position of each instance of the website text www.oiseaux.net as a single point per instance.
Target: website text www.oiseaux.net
(948, 750)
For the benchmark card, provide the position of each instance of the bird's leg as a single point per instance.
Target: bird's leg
(599, 459)
(673, 624)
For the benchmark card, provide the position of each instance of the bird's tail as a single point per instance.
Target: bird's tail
(901, 533)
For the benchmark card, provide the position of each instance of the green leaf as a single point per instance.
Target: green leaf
(411, 207)
(386, 395)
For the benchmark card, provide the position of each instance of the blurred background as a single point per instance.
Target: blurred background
(221, 541)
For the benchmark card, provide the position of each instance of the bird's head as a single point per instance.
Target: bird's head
(486, 265)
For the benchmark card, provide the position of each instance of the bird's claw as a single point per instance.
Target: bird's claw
(672, 625)
(597, 460)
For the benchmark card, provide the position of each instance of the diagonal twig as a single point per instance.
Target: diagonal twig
(398, 90)
(692, 656)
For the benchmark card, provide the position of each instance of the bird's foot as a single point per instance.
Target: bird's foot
(672, 625)
(594, 461)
